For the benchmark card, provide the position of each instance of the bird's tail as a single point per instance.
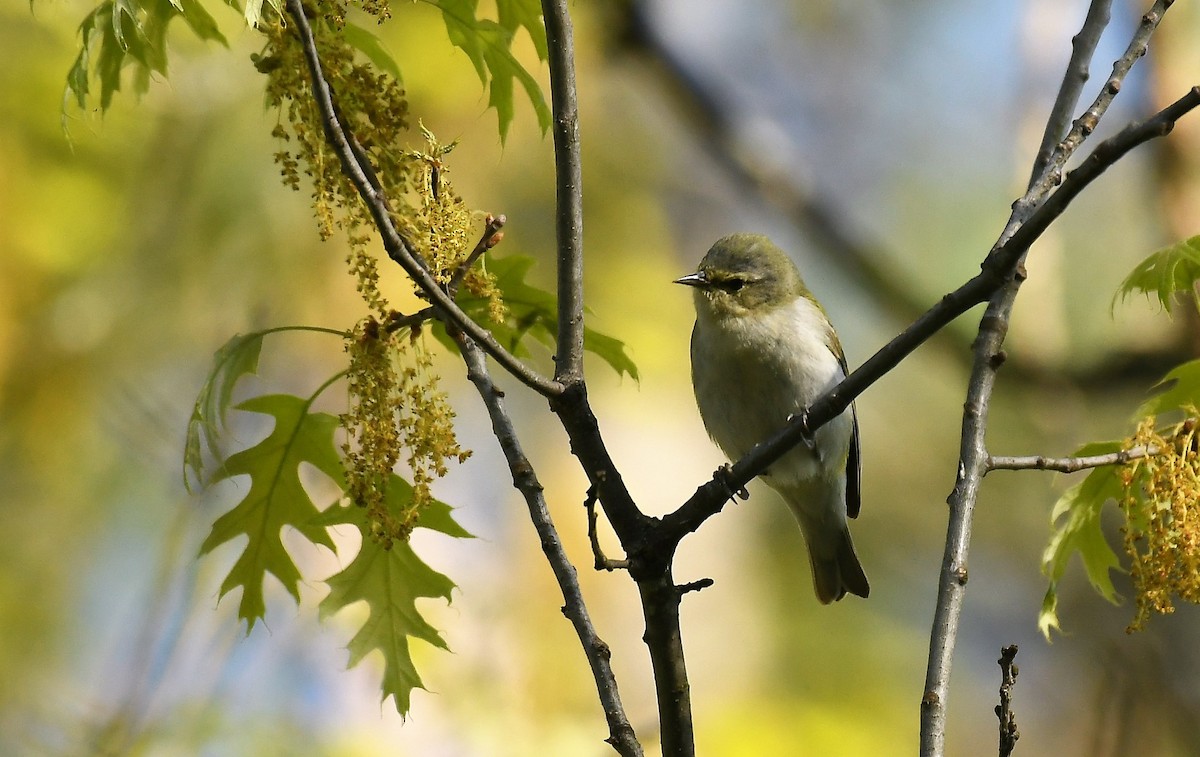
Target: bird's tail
(821, 512)
(840, 573)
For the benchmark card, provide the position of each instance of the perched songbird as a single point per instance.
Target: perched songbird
(762, 351)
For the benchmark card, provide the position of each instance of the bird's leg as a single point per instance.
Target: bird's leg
(724, 474)
(807, 438)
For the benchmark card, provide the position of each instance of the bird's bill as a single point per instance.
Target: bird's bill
(697, 279)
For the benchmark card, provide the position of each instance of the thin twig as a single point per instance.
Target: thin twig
(602, 561)
(1068, 464)
(1008, 720)
(952, 578)
(1083, 47)
(621, 733)
(568, 168)
(492, 236)
(1083, 126)
(397, 320)
(362, 175)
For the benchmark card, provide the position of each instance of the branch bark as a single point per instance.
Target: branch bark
(568, 169)
(1068, 464)
(621, 733)
(1083, 48)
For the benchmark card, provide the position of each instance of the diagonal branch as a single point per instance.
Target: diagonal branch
(569, 183)
(362, 174)
(711, 497)
(621, 734)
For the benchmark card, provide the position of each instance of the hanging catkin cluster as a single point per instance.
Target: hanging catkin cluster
(397, 412)
(1162, 518)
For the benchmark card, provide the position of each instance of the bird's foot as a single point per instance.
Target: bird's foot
(724, 474)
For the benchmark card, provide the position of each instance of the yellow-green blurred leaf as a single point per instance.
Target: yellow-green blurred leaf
(488, 45)
(1166, 273)
(1078, 531)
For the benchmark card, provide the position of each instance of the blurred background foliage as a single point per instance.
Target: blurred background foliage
(134, 249)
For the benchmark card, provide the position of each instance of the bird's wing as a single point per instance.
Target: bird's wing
(854, 458)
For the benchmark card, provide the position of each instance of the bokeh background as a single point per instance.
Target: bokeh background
(881, 143)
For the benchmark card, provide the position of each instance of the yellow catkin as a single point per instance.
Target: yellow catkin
(1162, 518)
(397, 412)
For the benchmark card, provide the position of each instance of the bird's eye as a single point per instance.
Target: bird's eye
(733, 285)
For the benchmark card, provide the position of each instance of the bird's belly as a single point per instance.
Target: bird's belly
(745, 397)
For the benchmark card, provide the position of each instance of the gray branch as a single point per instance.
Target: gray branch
(569, 184)
(1019, 234)
(621, 734)
(1068, 464)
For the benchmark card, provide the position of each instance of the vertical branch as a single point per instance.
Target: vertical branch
(989, 355)
(569, 181)
(621, 734)
(973, 458)
(663, 637)
(1008, 719)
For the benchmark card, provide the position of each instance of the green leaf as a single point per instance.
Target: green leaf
(611, 350)
(117, 33)
(488, 45)
(236, 358)
(276, 498)
(1078, 530)
(532, 312)
(202, 24)
(390, 581)
(1167, 272)
(515, 14)
(253, 10)
(1180, 388)
(370, 45)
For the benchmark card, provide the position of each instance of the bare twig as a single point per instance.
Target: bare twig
(1068, 464)
(492, 235)
(569, 184)
(602, 562)
(1083, 126)
(1083, 47)
(397, 320)
(1008, 720)
(621, 734)
(952, 578)
(362, 174)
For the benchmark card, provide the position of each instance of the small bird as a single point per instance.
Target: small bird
(762, 351)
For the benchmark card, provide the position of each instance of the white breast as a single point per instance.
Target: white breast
(752, 372)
